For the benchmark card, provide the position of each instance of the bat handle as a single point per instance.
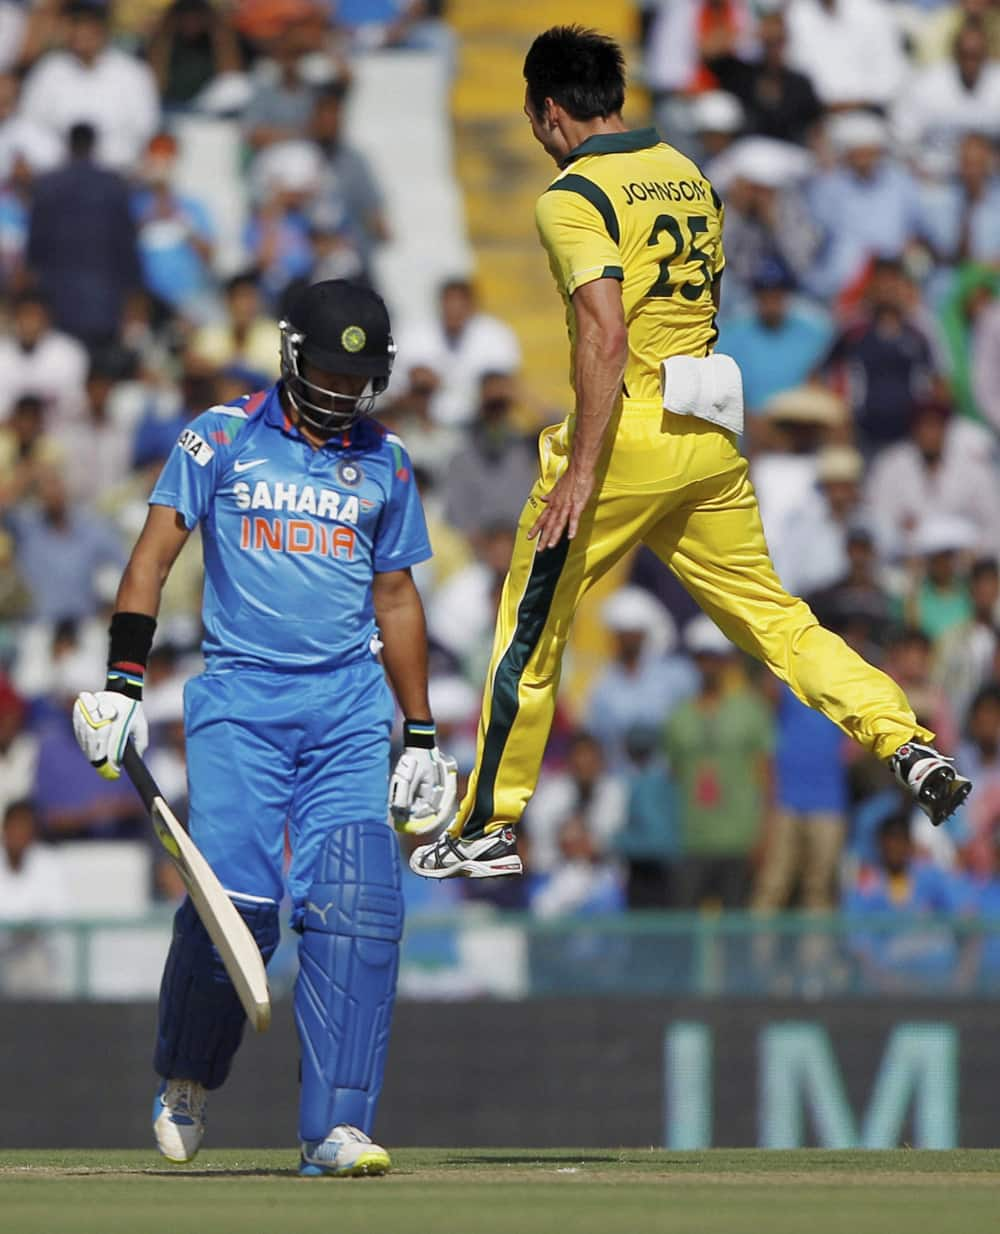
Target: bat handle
(138, 773)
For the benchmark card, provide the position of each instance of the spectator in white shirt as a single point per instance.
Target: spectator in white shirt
(586, 792)
(942, 469)
(91, 82)
(99, 444)
(37, 359)
(462, 612)
(849, 49)
(796, 424)
(21, 138)
(809, 549)
(986, 363)
(32, 889)
(462, 344)
(587, 879)
(30, 875)
(13, 26)
(945, 100)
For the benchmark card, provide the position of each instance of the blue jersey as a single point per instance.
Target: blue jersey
(293, 536)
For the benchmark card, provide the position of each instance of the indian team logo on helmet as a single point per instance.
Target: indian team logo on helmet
(353, 339)
(349, 474)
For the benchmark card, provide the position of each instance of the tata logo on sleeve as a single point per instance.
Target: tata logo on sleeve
(196, 446)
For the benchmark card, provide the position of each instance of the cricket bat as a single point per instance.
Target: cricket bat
(226, 928)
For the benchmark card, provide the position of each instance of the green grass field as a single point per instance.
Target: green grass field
(517, 1191)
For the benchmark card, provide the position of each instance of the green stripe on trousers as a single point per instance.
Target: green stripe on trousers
(532, 614)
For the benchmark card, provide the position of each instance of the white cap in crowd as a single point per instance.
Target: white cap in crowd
(763, 161)
(943, 533)
(717, 111)
(635, 610)
(702, 637)
(857, 130)
(287, 166)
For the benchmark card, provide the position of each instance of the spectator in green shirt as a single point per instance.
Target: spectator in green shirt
(720, 745)
(938, 599)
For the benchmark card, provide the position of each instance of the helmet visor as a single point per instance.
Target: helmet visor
(325, 410)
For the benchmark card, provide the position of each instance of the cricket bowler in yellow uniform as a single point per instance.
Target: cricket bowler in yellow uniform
(633, 232)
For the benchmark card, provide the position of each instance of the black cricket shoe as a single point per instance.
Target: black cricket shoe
(931, 778)
(489, 856)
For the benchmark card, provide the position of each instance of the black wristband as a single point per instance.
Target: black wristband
(419, 734)
(131, 636)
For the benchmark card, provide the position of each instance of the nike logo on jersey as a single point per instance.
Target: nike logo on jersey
(254, 462)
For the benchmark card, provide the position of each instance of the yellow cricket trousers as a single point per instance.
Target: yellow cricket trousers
(681, 486)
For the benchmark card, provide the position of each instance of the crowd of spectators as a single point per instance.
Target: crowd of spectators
(854, 143)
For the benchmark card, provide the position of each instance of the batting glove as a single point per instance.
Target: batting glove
(423, 791)
(102, 725)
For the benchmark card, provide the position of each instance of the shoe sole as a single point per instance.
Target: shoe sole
(177, 1160)
(368, 1165)
(956, 796)
(496, 868)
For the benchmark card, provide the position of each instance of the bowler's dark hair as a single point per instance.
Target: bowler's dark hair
(579, 69)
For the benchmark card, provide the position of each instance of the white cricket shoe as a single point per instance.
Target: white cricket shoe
(345, 1153)
(449, 857)
(179, 1118)
(938, 787)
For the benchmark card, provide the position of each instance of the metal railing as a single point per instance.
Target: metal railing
(478, 953)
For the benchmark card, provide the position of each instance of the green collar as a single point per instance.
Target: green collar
(614, 143)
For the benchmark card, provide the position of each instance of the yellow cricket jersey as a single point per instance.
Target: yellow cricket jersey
(630, 207)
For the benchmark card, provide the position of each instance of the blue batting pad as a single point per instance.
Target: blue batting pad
(201, 1020)
(348, 963)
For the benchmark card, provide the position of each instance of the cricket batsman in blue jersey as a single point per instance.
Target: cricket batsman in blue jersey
(311, 522)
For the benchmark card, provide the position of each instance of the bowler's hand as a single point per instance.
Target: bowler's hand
(564, 507)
